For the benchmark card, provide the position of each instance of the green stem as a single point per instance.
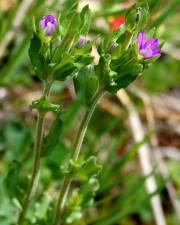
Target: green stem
(74, 156)
(37, 159)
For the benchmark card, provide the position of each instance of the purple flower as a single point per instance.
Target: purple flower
(148, 48)
(48, 24)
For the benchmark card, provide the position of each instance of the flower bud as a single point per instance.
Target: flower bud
(48, 24)
(82, 42)
(112, 47)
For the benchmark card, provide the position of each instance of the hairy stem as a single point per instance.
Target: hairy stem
(37, 159)
(74, 156)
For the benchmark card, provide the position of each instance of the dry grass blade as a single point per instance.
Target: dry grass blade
(144, 156)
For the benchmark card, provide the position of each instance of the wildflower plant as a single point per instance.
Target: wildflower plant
(60, 49)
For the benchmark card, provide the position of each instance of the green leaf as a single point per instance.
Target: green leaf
(85, 20)
(75, 23)
(69, 7)
(37, 59)
(86, 84)
(64, 71)
(86, 169)
(44, 105)
(17, 203)
(130, 69)
(121, 83)
(75, 199)
(88, 191)
(64, 26)
(91, 168)
(130, 154)
(125, 58)
(15, 183)
(105, 73)
(42, 207)
(83, 60)
(92, 185)
(74, 215)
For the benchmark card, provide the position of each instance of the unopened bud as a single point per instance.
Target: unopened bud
(82, 42)
(112, 47)
(48, 24)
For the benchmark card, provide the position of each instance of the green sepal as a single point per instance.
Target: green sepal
(63, 48)
(113, 36)
(43, 37)
(137, 17)
(143, 15)
(131, 18)
(78, 164)
(69, 39)
(135, 50)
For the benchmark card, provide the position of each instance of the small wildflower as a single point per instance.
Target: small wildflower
(48, 24)
(148, 48)
(117, 22)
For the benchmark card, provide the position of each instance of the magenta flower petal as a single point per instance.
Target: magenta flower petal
(147, 53)
(148, 49)
(149, 43)
(156, 53)
(141, 39)
(154, 45)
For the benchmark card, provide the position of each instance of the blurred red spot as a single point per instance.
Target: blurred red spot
(127, 4)
(117, 22)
